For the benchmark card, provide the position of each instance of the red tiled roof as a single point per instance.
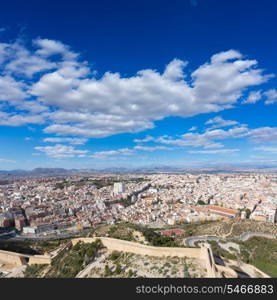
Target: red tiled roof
(222, 209)
(172, 231)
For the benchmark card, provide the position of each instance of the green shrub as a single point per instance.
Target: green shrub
(114, 255)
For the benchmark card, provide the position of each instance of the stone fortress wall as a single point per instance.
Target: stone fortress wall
(40, 260)
(18, 259)
(136, 248)
(203, 253)
(11, 258)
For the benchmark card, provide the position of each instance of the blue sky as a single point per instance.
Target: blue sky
(92, 84)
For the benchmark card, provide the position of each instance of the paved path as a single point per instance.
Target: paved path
(16, 237)
(96, 263)
(7, 235)
(243, 237)
(18, 272)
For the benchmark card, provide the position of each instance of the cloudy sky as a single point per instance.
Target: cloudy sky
(183, 83)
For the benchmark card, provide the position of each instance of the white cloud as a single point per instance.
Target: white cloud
(210, 138)
(207, 139)
(253, 97)
(132, 104)
(221, 151)
(190, 140)
(174, 70)
(73, 141)
(32, 106)
(225, 56)
(11, 90)
(272, 150)
(217, 122)
(73, 102)
(19, 60)
(51, 47)
(94, 125)
(271, 96)
(263, 135)
(112, 153)
(144, 140)
(154, 148)
(9, 119)
(61, 151)
(193, 128)
(223, 81)
(3, 160)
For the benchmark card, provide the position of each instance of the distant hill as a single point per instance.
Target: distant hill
(50, 171)
(146, 169)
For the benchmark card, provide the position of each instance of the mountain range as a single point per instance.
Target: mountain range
(147, 169)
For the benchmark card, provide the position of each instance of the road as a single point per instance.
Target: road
(96, 263)
(7, 235)
(243, 237)
(16, 237)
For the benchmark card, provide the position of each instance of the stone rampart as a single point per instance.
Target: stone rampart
(39, 260)
(18, 259)
(136, 248)
(11, 258)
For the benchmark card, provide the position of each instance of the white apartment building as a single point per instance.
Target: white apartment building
(118, 188)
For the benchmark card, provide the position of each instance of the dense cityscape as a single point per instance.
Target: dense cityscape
(53, 205)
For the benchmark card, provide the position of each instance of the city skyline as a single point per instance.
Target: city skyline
(100, 99)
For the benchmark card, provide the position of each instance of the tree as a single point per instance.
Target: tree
(186, 272)
(118, 269)
(248, 212)
(90, 252)
(107, 271)
(201, 202)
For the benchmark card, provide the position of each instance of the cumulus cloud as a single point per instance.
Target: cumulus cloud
(225, 56)
(67, 96)
(263, 135)
(212, 138)
(144, 140)
(271, 96)
(272, 150)
(61, 151)
(190, 140)
(52, 47)
(10, 119)
(12, 91)
(253, 97)
(174, 70)
(132, 104)
(208, 139)
(221, 151)
(217, 122)
(19, 60)
(73, 141)
(154, 148)
(112, 153)
(94, 125)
